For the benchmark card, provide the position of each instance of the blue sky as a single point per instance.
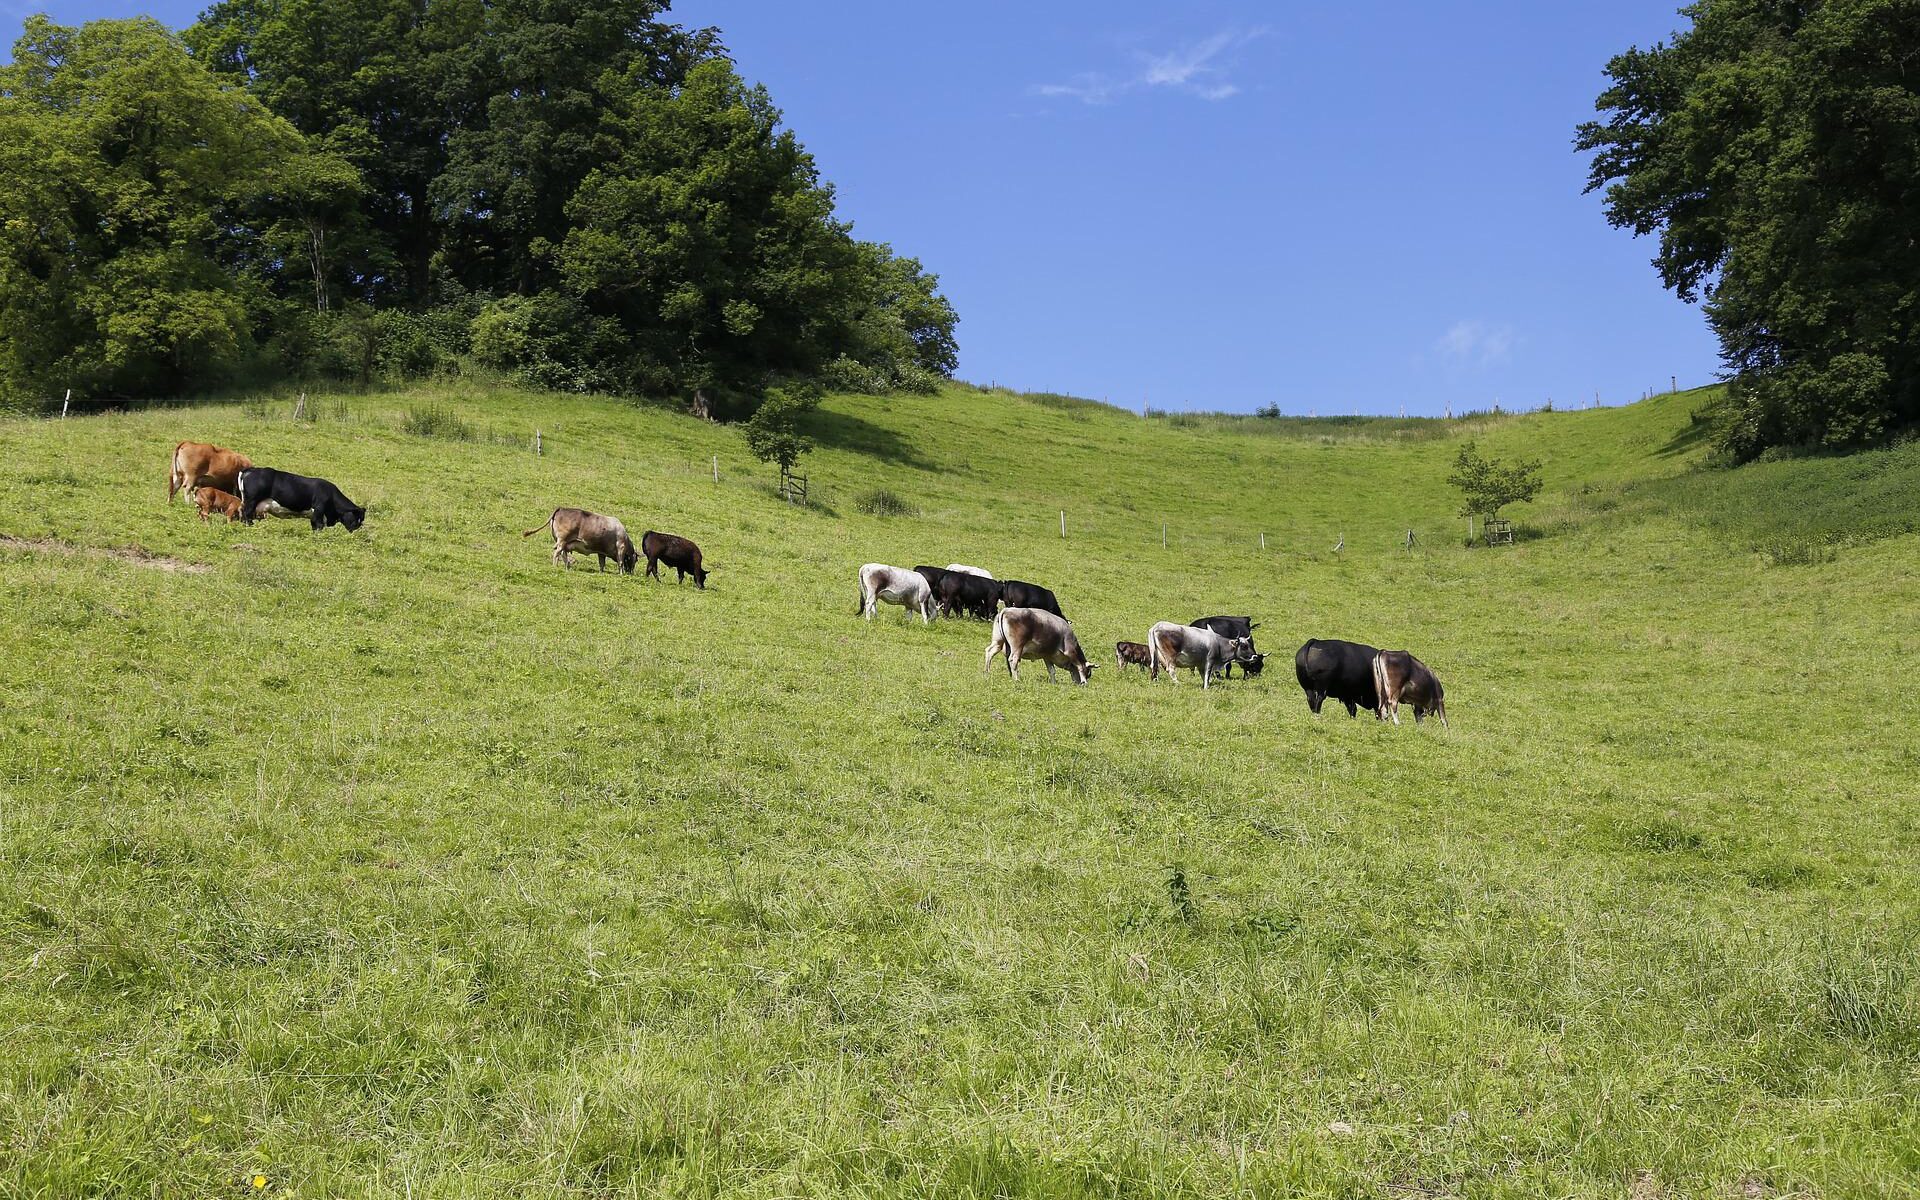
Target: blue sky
(1334, 208)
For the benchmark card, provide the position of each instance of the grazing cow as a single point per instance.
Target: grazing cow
(1173, 646)
(1134, 653)
(971, 594)
(933, 576)
(1015, 594)
(677, 552)
(964, 569)
(895, 585)
(284, 494)
(589, 533)
(1030, 633)
(1399, 676)
(1240, 627)
(195, 465)
(1254, 665)
(1342, 670)
(212, 500)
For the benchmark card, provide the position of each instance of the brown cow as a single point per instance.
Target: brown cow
(1399, 676)
(1035, 633)
(677, 552)
(1131, 652)
(213, 500)
(195, 465)
(590, 533)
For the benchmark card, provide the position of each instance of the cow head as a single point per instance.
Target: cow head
(1253, 664)
(628, 556)
(1242, 649)
(1082, 670)
(353, 517)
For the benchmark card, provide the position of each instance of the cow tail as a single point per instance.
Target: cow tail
(173, 471)
(1379, 686)
(547, 524)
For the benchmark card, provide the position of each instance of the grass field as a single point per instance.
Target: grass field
(403, 863)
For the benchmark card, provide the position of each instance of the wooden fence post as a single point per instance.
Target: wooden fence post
(536, 443)
(1163, 537)
(716, 468)
(300, 407)
(64, 403)
(1263, 541)
(1063, 523)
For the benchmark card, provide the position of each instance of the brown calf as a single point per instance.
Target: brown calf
(1134, 653)
(675, 551)
(213, 500)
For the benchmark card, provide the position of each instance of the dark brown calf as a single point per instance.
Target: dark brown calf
(1399, 676)
(1131, 653)
(677, 552)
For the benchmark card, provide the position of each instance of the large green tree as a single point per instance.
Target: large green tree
(134, 187)
(1774, 147)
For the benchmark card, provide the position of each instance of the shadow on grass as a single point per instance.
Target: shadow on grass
(1687, 440)
(844, 432)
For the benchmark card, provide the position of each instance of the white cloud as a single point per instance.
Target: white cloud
(1196, 70)
(1478, 343)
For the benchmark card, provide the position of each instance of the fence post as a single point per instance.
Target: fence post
(1063, 523)
(716, 468)
(536, 443)
(300, 407)
(1163, 537)
(1263, 541)
(64, 403)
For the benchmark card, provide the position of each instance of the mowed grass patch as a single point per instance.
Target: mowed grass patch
(404, 860)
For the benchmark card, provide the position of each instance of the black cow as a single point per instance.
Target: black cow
(1342, 670)
(1234, 627)
(677, 552)
(284, 494)
(1015, 594)
(970, 594)
(933, 576)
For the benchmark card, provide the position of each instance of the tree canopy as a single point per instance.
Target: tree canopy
(1775, 149)
(576, 191)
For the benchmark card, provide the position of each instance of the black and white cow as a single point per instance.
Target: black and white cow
(284, 494)
(1172, 646)
(895, 585)
(1342, 670)
(933, 576)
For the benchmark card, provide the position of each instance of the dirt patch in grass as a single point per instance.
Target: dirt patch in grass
(137, 555)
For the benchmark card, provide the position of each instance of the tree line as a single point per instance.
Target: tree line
(576, 192)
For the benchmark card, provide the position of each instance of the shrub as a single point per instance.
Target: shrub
(880, 502)
(433, 421)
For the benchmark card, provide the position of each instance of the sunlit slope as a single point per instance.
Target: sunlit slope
(403, 860)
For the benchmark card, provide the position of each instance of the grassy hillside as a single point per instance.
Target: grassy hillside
(403, 863)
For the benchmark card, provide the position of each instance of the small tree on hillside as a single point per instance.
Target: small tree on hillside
(773, 432)
(1487, 484)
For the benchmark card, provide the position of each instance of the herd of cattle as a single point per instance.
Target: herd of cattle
(1028, 624)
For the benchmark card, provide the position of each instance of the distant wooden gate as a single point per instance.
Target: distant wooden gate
(1498, 533)
(793, 487)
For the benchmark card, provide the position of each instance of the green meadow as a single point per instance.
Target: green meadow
(404, 863)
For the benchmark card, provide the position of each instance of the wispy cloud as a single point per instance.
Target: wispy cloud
(1196, 69)
(1477, 343)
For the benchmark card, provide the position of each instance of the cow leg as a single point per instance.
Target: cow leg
(1353, 710)
(1051, 678)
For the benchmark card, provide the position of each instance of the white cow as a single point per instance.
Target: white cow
(964, 569)
(895, 585)
(1171, 645)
